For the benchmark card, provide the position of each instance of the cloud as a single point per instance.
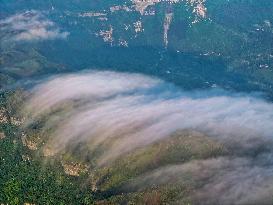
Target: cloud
(128, 111)
(31, 26)
(141, 110)
(221, 180)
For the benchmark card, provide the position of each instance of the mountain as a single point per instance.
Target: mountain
(136, 102)
(232, 38)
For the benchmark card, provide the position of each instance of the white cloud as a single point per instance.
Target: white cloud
(31, 26)
(139, 110)
(220, 180)
(132, 111)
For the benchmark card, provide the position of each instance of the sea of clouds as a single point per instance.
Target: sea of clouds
(134, 110)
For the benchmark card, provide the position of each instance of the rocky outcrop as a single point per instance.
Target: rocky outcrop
(28, 143)
(3, 117)
(2, 135)
(74, 168)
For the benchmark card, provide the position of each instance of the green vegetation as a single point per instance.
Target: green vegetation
(231, 48)
(27, 176)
